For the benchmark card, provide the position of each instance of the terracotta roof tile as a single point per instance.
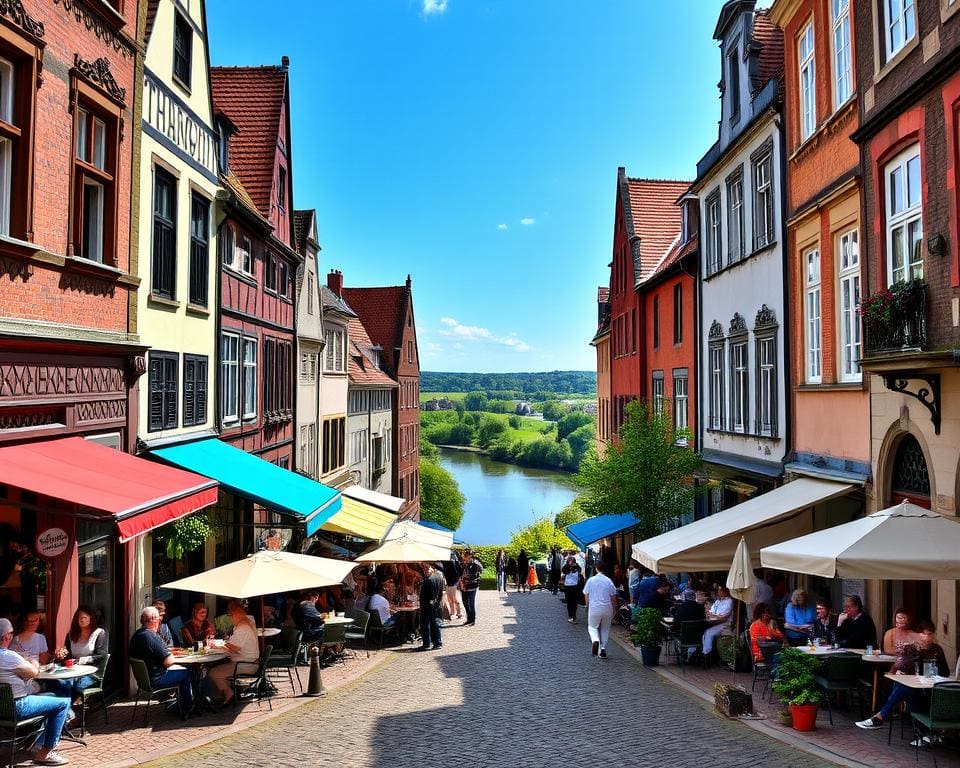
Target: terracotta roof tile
(361, 369)
(381, 311)
(152, 6)
(253, 98)
(656, 218)
(301, 230)
(677, 251)
(770, 38)
(243, 196)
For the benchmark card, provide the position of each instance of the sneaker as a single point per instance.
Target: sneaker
(603, 653)
(570, 621)
(52, 758)
(71, 715)
(926, 741)
(870, 724)
(595, 647)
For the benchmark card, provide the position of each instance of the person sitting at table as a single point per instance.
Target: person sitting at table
(308, 618)
(798, 618)
(18, 673)
(719, 618)
(855, 629)
(147, 646)
(901, 634)
(87, 644)
(924, 648)
(198, 628)
(164, 631)
(29, 642)
(824, 624)
(380, 603)
(689, 609)
(763, 628)
(242, 646)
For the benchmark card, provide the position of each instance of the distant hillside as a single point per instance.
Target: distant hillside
(523, 384)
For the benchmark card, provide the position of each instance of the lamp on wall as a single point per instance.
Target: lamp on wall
(937, 245)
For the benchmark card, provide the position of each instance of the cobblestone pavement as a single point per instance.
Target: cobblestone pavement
(519, 688)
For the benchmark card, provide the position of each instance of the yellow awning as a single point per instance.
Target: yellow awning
(357, 518)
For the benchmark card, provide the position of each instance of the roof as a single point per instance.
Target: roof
(593, 529)
(770, 37)
(603, 294)
(655, 219)
(361, 369)
(676, 253)
(152, 6)
(382, 311)
(243, 196)
(301, 230)
(330, 301)
(253, 99)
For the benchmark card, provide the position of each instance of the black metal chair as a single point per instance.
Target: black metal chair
(286, 654)
(840, 672)
(145, 685)
(93, 694)
(19, 731)
(357, 632)
(334, 640)
(249, 678)
(944, 715)
(376, 627)
(689, 638)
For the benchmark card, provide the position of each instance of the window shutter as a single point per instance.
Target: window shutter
(189, 392)
(170, 402)
(200, 392)
(156, 393)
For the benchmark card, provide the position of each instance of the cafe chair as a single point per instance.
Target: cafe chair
(16, 732)
(944, 715)
(286, 655)
(250, 679)
(763, 671)
(93, 694)
(376, 628)
(334, 640)
(176, 630)
(144, 685)
(357, 631)
(689, 639)
(840, 672)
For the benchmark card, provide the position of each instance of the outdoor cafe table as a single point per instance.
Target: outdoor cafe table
(68, 673)
(876, 660)
(918, 682)
(407, 618)
(338, 620)
(196, 663)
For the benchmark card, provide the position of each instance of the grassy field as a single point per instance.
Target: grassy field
(455, 396)
(530, 429)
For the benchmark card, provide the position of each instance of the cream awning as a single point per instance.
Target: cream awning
(709, 544)
(360, 519)
(375, 498)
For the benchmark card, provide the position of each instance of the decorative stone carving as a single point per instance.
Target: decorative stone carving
(96, 286)
(93, 23)
(737, 324)
(716, 330)
(100, 410)
(57, 381)
(138, 367)
(14, 9)
(32, 419)
(765, 317)
(98, 72)
(15, 268)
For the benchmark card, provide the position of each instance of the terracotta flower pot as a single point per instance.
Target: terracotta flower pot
(804, 716)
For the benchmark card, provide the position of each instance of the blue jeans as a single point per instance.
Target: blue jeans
(183, 679)
(70, 689)
(54, 708)
(430, 626)
(470, 605)
(501, 581)
(898, 694)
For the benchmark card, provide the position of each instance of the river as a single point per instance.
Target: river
(502, 497)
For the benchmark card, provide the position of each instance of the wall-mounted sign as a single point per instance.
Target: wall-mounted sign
(52, 542)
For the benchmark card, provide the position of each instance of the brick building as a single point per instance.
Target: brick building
(601, 342)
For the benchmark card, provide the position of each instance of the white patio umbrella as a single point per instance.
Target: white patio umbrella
(405, 549)
(902, 542)
(740, 582)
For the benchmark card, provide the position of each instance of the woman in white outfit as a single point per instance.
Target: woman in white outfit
(601, 597)
(243, 645)
(719, 618)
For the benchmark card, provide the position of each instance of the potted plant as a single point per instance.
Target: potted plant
(795, 685)
(648, 633)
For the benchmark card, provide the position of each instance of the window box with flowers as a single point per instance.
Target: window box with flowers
(895, 318)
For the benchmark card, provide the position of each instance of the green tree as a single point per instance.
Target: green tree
(544, 452)
(581, 441)
(538, 537)
(554, 410)
(644, 472)
(461, 434)
(490, 427)
(440, 497)
(570, 514)
(572, 421)
(515, 422)
(460, 409)
(476, 401)
(428, 451)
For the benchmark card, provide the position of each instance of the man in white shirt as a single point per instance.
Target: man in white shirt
(381, 605)
(18, 673)
(718, 617)
(601, 598)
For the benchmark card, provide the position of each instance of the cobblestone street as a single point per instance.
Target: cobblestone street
(520, 688)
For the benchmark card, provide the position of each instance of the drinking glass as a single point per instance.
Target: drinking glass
(869, 650)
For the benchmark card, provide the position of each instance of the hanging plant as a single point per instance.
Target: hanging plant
(185, 535)
(32, 568)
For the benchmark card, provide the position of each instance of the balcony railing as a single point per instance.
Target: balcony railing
(895, 319)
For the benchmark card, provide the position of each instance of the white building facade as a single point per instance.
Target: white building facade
(309, 346)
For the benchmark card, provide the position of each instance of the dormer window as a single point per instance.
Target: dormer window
(733, 84)
(224, 134)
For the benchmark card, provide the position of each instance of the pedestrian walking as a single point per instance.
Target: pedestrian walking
(511, 572)
(554, 565)
(452, 571)
(469, 584)
(601, 597)
(572, 575)
(523, 570)
(501, 566)
(431, 596)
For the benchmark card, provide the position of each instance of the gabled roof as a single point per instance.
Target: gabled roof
(382, 311)
(653, 217)
(677, 252)
(252, 98)
(152, 6)
(333, 303)
(302, 221)
(769, 37)
(361, 370)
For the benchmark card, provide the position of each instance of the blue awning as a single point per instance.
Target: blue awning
(586, 532)
(254, 478)
(435, 526)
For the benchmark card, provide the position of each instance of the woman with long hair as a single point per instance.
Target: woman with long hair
(86, 643)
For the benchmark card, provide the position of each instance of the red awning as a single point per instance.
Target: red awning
(139, 495)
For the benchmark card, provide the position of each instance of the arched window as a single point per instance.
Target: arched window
(910, 479)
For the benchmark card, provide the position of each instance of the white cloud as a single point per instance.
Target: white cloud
(433, 349)
(434, 6)
(528, 221)
(501, 226)
(477, 333)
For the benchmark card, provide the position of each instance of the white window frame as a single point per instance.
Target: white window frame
(904, 215)
(93, 231)
(900, 25)
(767, 385)
(242, 258)
(740, 385)
(7, 87)
(842, 52)
(230, 377)
(764, 204)
(735, 228)
(714, 234)
(680, 405)
(717, 363)
(813, 315)
(657, 392)
(851, 332)
(249, 376)
(808, 82)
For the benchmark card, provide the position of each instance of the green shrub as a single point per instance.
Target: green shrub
(648, 629)
(461, 434)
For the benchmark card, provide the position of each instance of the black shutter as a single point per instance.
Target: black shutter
(170, 401)
(200, 390)
(156, 394)
(189, 392)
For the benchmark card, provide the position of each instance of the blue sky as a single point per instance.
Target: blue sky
(474, 144)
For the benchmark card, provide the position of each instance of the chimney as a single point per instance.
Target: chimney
(335, 282)
(408, 281)
(285, 62)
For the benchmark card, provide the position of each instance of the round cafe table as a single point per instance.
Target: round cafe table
(197, 663)
(67, 673)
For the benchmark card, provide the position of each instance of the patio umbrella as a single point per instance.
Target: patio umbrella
(420, 533)
(405, 549)
(740, 582)
(902, 542)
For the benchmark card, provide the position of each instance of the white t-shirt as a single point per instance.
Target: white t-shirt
(599, 591)
(245, 638)
(722, 607)
(30, 648)
(9, 662)
(380, 604)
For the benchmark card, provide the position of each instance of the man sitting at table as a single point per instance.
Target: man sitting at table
(719, 618)
(147, 646)
(308, 619)
(380, 604)
(924, 649)
(824, 625)
(18, 673)
(855, 629)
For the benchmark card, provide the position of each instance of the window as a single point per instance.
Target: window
(249, 383)
(243, 255)
(739, 386)
(850, 329)
(333, 444)
(163, 378)
(811, 260)
(283, 280)
(904, 217)
(843, 69)
(657, 392)
(763, 223)
(229, 377)
(808, 84)
(282, 189)
(194, 390)
(733, 83)
(656, 322)
(93, 187)
(182, 49)
(901, 25)
(714, 239)
(680, 401)
(164, 264)
(228, 250)
(270, 272)
(678, 314)
(333, 352)
(409, 351)
(735, 216)
(308, 448)
(359, 440)
(277, 364)
(716, 386)
(308, 367)
(9, 136)
(767, 385)
(199, 249)
(309, 292)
